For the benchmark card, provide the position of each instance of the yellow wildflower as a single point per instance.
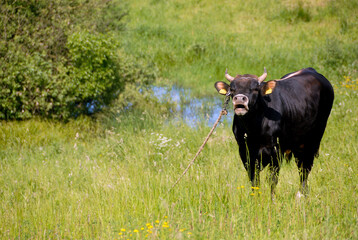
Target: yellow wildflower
(123, 230)
(136, 230)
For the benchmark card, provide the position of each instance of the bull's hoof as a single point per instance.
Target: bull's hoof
(273, 198)
(299, 196)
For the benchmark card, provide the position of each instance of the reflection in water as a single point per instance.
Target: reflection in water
(192, 110)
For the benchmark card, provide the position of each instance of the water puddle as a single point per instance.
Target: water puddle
(191, 110)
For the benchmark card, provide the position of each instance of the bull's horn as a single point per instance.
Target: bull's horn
(228, 77)
(263, 76)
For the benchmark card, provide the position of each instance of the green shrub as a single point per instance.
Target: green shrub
(95, 70)
(29, 87)
(95, 75)
(59, 59)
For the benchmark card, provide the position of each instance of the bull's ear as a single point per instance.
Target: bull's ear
(269, 87)
(222, 87)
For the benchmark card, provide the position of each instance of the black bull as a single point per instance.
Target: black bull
(279, 118)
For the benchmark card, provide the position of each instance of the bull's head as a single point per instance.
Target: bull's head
(244, 90)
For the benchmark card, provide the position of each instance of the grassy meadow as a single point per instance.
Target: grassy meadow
(108, 177)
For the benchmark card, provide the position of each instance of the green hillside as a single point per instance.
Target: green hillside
(193, 42)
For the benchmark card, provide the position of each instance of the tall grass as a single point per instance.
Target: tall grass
(74, 181)
(109, 179)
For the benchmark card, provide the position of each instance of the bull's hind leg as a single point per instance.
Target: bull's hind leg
(304, 165)
(274, 172)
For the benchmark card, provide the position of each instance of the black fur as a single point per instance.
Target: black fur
(291, 119)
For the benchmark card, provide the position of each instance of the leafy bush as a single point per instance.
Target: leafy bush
(59, 59)
(94, 72)
(26, 87)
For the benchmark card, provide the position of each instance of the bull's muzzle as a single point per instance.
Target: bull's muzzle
(241, 104)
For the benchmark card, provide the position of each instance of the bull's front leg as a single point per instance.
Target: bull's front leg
(254, 174)
(270, 156)
(254, 169)
(249, 156)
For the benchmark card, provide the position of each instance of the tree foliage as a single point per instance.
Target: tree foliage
(61, 59)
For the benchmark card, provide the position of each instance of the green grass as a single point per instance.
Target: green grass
(192, 43)
(79, 181)
(106, 178)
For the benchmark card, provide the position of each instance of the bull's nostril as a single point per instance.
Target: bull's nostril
(240, 98)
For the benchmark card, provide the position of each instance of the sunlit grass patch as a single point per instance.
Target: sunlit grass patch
(350, 83)
(157, 229)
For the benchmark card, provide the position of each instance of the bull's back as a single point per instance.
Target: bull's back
(307, 99)
(308, 90)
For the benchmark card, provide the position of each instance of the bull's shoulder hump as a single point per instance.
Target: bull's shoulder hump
(299, 72)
